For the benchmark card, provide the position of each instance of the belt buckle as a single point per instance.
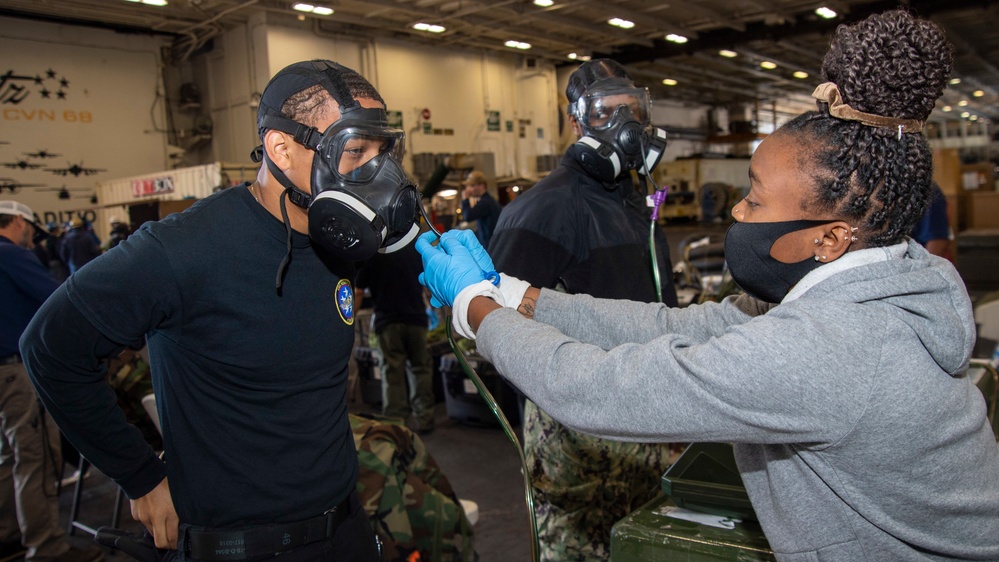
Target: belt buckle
(330, 517)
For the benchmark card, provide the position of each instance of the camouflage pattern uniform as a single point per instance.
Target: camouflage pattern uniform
(583, 485)
(410, 502)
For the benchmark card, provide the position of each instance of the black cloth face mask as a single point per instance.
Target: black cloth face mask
(747, 251)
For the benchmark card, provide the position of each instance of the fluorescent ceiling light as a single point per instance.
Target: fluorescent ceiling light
(576, 56)
(518, 45)
(727, 53)
(673, 37)
(800, 74)
(965, 115)
(543, 3)
(432, 28)
(768, 65)
(669, 82)
(302, 7)
(826, 13)
(954, 81)
(447, 193)
(946, 109)
(962, 103)
(149, 2)
(978, 93)
(973, 118)
(622, 23)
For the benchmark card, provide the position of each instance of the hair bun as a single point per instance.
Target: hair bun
(891, 64)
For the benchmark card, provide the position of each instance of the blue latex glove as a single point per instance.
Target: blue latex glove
(447, 268)
(470, 241)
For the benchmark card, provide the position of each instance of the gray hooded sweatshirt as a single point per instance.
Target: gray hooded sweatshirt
(856, 431)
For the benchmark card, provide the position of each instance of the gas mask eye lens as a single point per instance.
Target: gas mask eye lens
(605, 108)
(359, 150)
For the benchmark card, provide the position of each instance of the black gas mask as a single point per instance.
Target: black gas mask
(617, 133)
(361, 200)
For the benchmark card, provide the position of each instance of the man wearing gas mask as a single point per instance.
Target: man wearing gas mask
(249, 370)
(585, 228)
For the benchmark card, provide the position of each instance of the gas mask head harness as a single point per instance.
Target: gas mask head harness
(361, 201)
(615, 117)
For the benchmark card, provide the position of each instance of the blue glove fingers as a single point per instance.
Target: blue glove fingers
(435, 300)
(424, 242)
(470, 241)
(452, 269)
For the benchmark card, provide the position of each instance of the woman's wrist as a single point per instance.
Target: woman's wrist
(478, 309)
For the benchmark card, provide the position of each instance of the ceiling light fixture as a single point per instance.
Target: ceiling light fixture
(518, 45)
(728, 54)
(962, 103)
(965, 115)
(955, 81)
(575, 56)
(674, 38)
(543, 3)
(669, 82)
(149, 2)
(800, 74)
(432, 28)
(318, 10)
(768, 65)
(826, 13)
(978, 93)
(622, 23)
(946, 109)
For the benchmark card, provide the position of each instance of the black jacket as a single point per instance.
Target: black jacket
(570, 230)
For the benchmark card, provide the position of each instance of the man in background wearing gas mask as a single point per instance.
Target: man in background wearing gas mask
(249, 368)
(585, 228)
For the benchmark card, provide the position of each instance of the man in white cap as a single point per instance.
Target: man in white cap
(29, 506)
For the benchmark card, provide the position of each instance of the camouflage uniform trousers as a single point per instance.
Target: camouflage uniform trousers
(583, 485)
(412, 507)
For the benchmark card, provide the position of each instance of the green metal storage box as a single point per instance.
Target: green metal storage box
(648, 535)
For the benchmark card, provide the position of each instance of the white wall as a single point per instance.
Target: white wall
(457, 88)
(109, 115)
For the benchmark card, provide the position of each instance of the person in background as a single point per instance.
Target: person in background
(52, 245)
(840, 376)
(119, 232)
(79, 245)
(585, 228)
(246, 302)
(400, 318)
(479, 206)
(30, 459)
(933, 229)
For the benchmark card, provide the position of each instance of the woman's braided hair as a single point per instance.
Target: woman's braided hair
(893, 65)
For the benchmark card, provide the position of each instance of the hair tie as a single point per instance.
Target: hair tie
(828, 92)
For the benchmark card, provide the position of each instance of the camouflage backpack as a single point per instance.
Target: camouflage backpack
(410, 502)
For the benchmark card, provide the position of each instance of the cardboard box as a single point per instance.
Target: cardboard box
(983, 209)
(947, 170)
(956, 215)
(980, 176)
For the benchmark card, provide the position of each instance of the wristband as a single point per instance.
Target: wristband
(459, 310)
(513, 290)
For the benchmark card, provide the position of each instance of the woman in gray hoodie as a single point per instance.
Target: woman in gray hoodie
(839, 375)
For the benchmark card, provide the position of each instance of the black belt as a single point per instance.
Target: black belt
(10, 359)
(253, 542)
